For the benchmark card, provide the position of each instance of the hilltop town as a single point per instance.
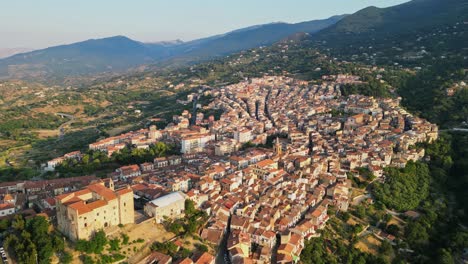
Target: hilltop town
(283, 152)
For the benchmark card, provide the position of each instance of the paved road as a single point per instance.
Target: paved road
(456, 129)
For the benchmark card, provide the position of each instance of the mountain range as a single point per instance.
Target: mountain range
(120, 53)
(381, 28)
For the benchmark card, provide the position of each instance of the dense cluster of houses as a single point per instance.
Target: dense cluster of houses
(264, 199)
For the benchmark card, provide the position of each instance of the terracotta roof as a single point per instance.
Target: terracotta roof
(50, 201)
(124, 191)
(206, 258)
(80, 207)
(186, 261)
(265, 163)
(96, 204)
(101, 190)
(74, 199)
(157, 257)
(4, 206)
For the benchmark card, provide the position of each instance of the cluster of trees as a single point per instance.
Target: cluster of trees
(137, 156)
(15, 174)
(171, 249)
(95, 245)
(371, 87)
(425, 93)
(10, 127)
(192, 221)
(405, 188)
(168, 248)
(93, 161)
(366, 176)
(437, 236)
(91, 110)
(32, 242)
(194, 218)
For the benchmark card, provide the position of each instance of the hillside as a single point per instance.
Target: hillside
(435, 26)
(119, 53)
(405, 18)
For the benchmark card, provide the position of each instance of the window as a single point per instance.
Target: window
(125, 204)
(85, 224)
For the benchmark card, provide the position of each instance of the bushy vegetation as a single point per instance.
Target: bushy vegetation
(330, 251)
(93, 161)
(425, 93)
(11, 127)
(191, 223)
(94, 245)
(31, 240)
(371, 87)
(404, 189)
(168, 248)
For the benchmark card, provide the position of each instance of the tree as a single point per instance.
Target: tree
(125, 239)
(94, 245)
(345, 216)
(191, 226)
(393, 229)
(189, 207)
(4, 224)
(168, 248)
(114, 244)
(175, 228)
(445, 257)
(201, 247)
(18, 223)
(87, 259)
(386, 248)
(66, 257)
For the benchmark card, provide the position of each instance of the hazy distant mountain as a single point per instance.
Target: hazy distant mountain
(90, 56)
(7, 52)
(246, 38)
(121, 53)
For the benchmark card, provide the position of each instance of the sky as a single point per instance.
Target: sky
(44, 23)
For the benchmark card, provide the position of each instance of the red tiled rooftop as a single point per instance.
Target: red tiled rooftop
(96, 204)
(206, 258)
(80, 207)
(101, 190)
(123, 191)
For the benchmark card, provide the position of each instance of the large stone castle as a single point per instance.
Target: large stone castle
(81, 213)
